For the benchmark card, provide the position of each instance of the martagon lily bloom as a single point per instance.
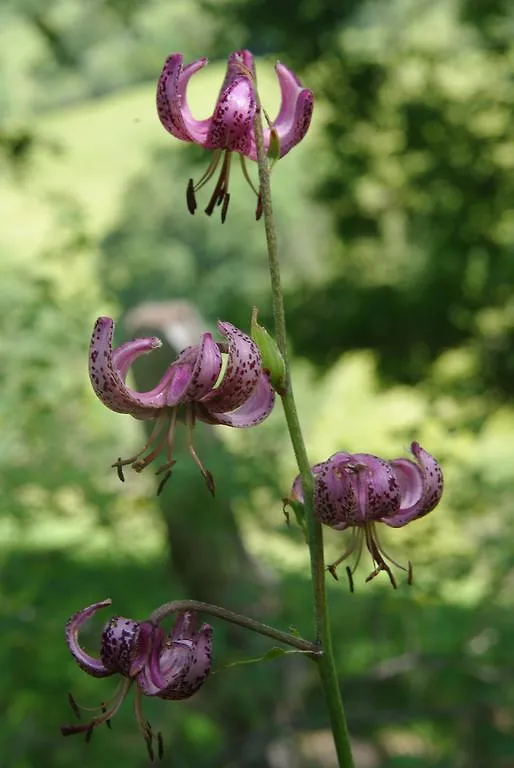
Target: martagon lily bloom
(192, 388)
(230, 128)
(358, 490)
(172, 666)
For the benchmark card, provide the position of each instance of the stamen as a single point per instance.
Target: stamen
(163, 482)
(247, 175)
(350, 577)
(377, 558)
(155, 431)
(160, 746)
(410, 575)
(144, 726)
(190, 197)
(208, 477)
(332, 568)
(107, 722)
(221, 188)
(107, 714)
(224, 207)
(73, 704)
(209, 173)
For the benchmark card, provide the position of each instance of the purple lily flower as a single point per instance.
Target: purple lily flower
(358, 490)
(243, 397)
(230, 128)
(172, 666)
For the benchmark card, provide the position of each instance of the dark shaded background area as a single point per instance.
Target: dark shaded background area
(396, 226)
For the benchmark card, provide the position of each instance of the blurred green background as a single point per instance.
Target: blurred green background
(396, 224)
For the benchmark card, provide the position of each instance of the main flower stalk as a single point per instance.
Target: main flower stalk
(325, 662)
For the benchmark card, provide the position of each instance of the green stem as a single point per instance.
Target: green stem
(234, 618)
(325, 662)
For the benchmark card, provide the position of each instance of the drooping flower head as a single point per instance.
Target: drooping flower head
(193, 387)
(172, 666)
(230, 128)
(358, 490)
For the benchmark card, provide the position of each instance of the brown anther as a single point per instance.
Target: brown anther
(89, 732)
(332, 569)
(149, 742)
(160, 746)
(350, 577)
(224, 207)
(191, 197)
(163, 482)
(73, 704)
(119, 470)
(107, 722)
(410, 575)
(209, 479)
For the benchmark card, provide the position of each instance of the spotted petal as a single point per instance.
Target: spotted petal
(125, 645)
(376, 485)
(172, 106)
(294, 117)
(88, 663)
(199, 667)
(108, 368)
(206, 369)
(241, 375)
(335, 497)
(421, 486)
(257, 408)
(231, 124)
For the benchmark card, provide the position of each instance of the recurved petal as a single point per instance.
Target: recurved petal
(231, 125)
(241, 375)
(89, 664)
(108, 368)
(257, 408)
(198, 668)
(206, 369)
(172, 106)
(294, 117)
(421, 486)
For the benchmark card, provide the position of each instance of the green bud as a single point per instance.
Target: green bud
(271, 358)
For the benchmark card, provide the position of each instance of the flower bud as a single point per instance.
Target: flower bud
(271, 357)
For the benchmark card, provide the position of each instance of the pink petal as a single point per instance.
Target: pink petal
(198, 668)
(258, 407)
(172, 106)
(121, 642)
(421, 485)
(241, 375)
(335, 497)
(206, 369)
(294, 117)
(232, 121)
(297, 487)
(376, 486)
(108, 380)
(86, 662)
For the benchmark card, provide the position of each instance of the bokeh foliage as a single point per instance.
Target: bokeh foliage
(396, 226)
